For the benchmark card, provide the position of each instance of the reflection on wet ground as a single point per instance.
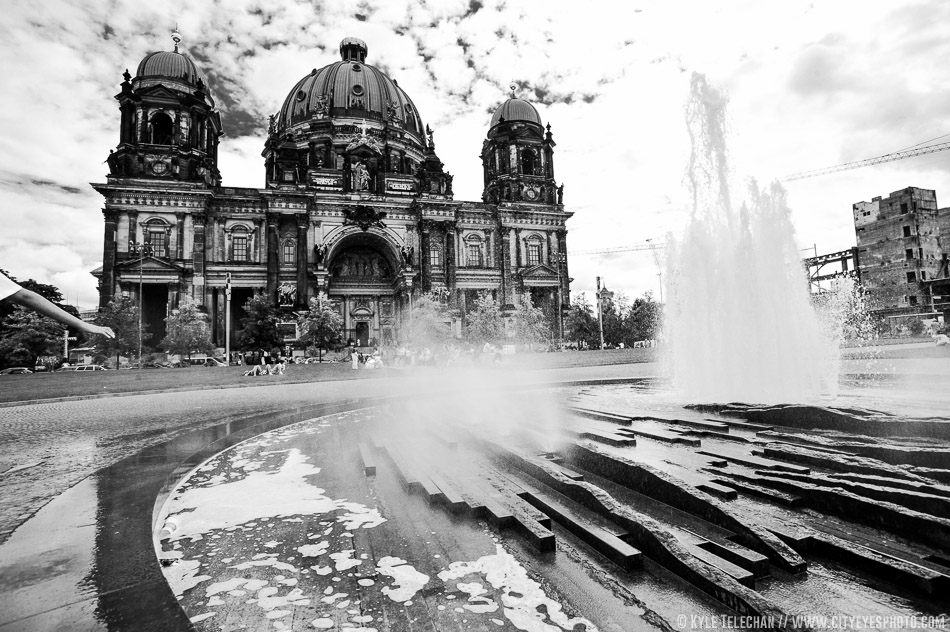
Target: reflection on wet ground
(614, 508)
(608, 507)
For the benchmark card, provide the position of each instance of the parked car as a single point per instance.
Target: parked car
(16, 370)
(84, 367)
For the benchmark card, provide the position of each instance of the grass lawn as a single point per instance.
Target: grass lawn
(18, 388)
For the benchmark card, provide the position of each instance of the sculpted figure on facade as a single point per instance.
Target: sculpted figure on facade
(286, 294)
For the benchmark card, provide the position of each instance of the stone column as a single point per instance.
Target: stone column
(565, 276)
(107, 283)
(198, 254)
(504, 257)
(450, 266)
(424, 263)
(273, 268)
(180, 236)
(133, 226)
(260, 254)
(303, 248)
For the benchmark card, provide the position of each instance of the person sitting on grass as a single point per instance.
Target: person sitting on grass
(11, 291)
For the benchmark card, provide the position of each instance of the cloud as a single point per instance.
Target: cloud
(811, 83)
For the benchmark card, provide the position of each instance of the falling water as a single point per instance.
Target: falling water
(739, 322)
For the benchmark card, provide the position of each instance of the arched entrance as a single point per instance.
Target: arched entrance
(363, 278)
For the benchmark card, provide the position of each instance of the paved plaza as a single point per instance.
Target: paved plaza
(58, 450)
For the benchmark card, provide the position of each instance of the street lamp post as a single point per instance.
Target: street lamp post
(146, 251)
(561, 259)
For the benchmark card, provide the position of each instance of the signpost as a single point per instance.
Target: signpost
(227, 320)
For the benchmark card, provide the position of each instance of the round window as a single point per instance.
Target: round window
(301, 95)
(357, 68)
(358, 90)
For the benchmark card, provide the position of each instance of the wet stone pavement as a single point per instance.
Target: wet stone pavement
(49, 447)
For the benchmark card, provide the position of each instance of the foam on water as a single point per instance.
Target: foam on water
(739, 323)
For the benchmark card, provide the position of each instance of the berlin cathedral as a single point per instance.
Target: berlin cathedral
(356, 204)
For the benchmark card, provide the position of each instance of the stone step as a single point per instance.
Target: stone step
(718, 490)
(453, 497)
(614, 439)
(606, 543)
(738, 573)
(757, 491)
(600, 414)
(754, 562)
(756, 462)
(368, 459)
(743, 425)
(664, 437)
(444, 438)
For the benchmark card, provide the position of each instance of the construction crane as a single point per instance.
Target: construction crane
(897, 155)
(655, 248)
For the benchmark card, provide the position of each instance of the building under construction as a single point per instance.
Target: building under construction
(901, 258)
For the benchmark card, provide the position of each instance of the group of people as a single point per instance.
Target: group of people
(369, 361)
(277, 368)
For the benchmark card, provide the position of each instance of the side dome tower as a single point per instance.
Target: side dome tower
(170, 128)
(347, 127)
(518, 156)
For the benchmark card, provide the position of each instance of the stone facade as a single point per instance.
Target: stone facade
(902, 247)
(356, 204)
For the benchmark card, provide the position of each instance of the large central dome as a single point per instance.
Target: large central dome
(350, 88)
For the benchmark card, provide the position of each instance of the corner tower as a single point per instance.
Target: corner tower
(518, 156)
(169, 128)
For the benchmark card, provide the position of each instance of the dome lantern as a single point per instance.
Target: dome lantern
(353, 49)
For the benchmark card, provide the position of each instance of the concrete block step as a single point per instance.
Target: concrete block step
(757, 491)
(743, 425)
(718, 490)
(600, 414)
(368, 459)
(750, 560)
(698, 424)
(453, 498)
(606, 543)
(614, 439)
(756, 462)
(444, 438)
(405, 472)
(741, 575)
(664, 437)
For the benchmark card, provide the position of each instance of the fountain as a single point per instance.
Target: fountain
(482, 500)
(739, 323)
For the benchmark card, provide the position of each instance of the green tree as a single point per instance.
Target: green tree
(122, 315)
(26, 336)
(259, 326)
(484, 322)
(187, 330)
(580, 324)
(614, 312)
(643, 320)
(429, 323)
(321, 325)
(530, 324)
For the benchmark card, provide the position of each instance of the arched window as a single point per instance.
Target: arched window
(240, 243)
(534, 250)
(289, 252)
(529, 162)
(161, 129)
(155, 234)
(474, 252)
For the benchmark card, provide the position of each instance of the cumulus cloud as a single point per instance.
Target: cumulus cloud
(811, 83)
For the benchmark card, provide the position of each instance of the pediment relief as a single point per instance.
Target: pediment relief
(543, 271)
(150, 264)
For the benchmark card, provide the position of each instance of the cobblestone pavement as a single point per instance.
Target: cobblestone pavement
(58, 444)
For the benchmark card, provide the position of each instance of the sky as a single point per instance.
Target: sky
(810, 84)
